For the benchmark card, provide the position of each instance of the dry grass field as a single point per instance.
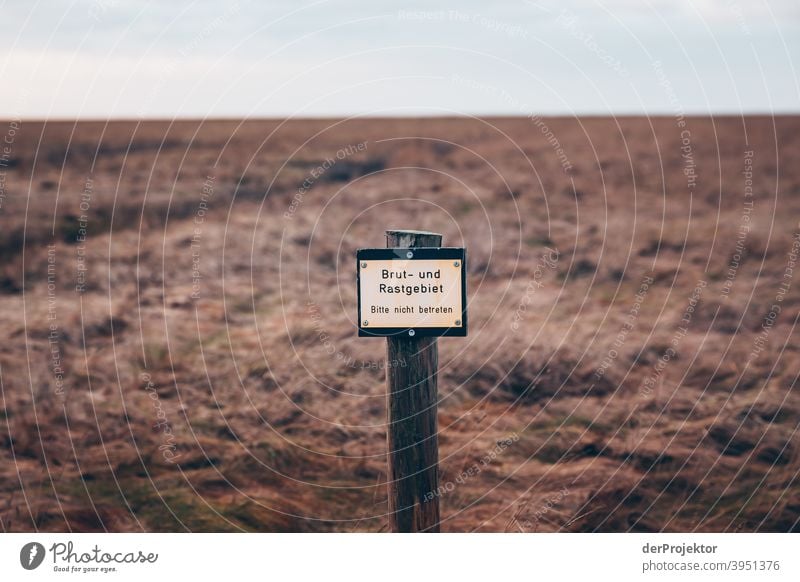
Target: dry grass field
(179, 351)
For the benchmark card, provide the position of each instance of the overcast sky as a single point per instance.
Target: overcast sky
(124, 58)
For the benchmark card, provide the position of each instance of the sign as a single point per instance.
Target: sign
(414, 292)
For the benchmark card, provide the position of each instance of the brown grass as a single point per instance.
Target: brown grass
(275, 407)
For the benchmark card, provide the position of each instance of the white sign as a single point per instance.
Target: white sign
(422, 292)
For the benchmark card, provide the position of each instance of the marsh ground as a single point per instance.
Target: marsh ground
(178, 348)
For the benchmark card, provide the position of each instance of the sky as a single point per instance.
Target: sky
(322, 58)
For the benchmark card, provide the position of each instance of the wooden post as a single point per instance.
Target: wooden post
(412, 399)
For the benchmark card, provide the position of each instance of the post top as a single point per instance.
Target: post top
(412, 238)
(417, 232)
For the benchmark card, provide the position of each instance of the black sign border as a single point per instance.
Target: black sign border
(421, 253)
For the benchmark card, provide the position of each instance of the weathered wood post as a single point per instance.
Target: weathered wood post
(412, 402)
(412, 292)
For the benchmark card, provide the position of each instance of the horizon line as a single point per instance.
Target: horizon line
(494, 115)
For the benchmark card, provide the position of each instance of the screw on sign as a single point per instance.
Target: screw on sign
(412, 292)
